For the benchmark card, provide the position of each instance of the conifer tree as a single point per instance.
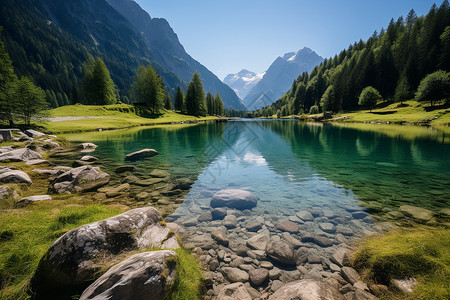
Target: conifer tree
(179, 101)
(7, 80)
(148, 89)
(195, 97)
(30, 100)
(168, 102)
(98, 87)
(219, 108)
(210, 104)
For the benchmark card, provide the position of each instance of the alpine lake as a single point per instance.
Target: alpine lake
(351, 178)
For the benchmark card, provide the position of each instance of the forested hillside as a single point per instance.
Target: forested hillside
(394, 61)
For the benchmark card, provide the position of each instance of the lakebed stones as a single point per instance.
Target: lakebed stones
(417, 213)
(218, 213)
(258, 276)
(234, 198)
(307, 289)
(305, 215)
(156, 173)
(81, 179)
(235, 274)
(287, 226)
(138, 277)
(230, 221)
(281, 252)
(141, 154)
(23, 154)
(9, 175)
(88, 158)
(123, 169)
(258, 242)
(76, 256)
(234, 291)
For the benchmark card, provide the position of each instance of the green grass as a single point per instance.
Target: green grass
(188, 283)
(26, 234)
(110, 116)
(421, 252)
(410, 112)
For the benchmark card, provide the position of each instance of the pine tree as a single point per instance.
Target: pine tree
(74, 96)
(98, 87)
(31, 100)
(210, 104)
(7, 80)
(219, 108)
(410, 19)
(403, 89)
(179, 101)
(327, 102)
(195, 97)
(148, 89)
(168, 102)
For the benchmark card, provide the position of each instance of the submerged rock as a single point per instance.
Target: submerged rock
(141, 154)
(138, 277)
(234, 198)
(75, 258)
(234, 291)
(281, 252)
(417, 213)
(307, 289)
(235, 274)
(123, 169)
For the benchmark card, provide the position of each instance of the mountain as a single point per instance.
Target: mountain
(49, 41)
(243, 81)
(279, 77)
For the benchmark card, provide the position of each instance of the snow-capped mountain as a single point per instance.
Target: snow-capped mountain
(243, 81)
(279, 77)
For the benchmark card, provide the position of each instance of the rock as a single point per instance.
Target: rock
(7, 134)
(417, 213)
(8, 175)
(234, 291)
(34, 162)
(340, 257)
(266, 265)
(147, 182)
(4, 149)
(230, 221)
(327, 227)
(118, 190)
(42, 145)
(182, 184)
(258, 276)
(274, 273)
(235, 274)
(156, 173)
(142, 196)
(307, 289)
(281, 252)
(221, 237)
(205, 217)
(76, 256)
(143, 274)
(361, 285)
(287, 226)
(23, 154)
(81, 179)
(258, 242)
(28, 200)
(33, 133)
(87, 147)
(253, 226)
(89, 158)
(319, 240)
(405, 285)
(359, 215)
(291, 240)
(141, 154)
(233, 198)
(363, 295)
(218, 213)
(79, 163)
(350, 275)
(182, 233)
(7, 191)
(305, 215)
(123, 169)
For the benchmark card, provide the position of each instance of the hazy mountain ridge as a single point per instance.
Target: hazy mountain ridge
(279, 77)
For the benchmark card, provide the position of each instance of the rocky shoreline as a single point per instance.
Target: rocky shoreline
(247, 252)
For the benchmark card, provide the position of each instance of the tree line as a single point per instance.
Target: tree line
(393, 62)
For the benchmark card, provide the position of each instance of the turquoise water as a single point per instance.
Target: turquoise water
(292, 165)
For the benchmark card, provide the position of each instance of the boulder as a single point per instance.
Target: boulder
(417, 213)
(350, 274)
(182, 184)
(218, 213)
(28, 200)
(230, 221)
(307, 289)
(143, 274)
(156, 173)
(281, 252)
(221, 237)
(6, 134)
(8, 175)
(205, 217)
(287, 226)
(317, 239)
(253, 226)
(123, 169)
(258, 242)
(141, 154)
(88, 158)
(81, 179)
(234, 198)
(7, 191)
(258, 276)
(87, 147)
(75, 258)
(34, 162)
(340, 257)
(23, 154)
(235, 274)
(234, 291)
(115, 191)
(33, 133)
(305, 215)
(327, 227)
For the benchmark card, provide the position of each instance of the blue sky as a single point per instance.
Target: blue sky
(227, 36)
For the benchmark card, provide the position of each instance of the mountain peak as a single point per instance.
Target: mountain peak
(243, 81)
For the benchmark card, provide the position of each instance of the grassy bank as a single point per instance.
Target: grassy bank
(410, 112)
(110, 116)
(420, 252)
